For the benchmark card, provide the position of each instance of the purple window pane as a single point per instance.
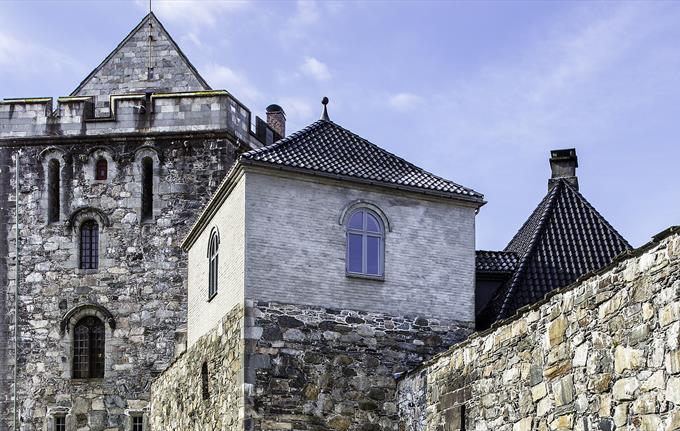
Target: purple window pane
(373, 255)
(372, 224)
(354, 258)
(357, 220)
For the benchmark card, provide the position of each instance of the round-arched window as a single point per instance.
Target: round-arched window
(365, 243)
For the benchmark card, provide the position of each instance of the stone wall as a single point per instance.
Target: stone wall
(141, 279)
(308, 368)
(177, 401)
(324, 368)
(602, 354)
(6, 208)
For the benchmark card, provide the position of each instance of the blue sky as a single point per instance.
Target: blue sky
(477, 92)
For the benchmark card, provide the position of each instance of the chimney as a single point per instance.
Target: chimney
(276, 119)
(563, 164)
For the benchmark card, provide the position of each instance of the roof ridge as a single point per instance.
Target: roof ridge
(521, 265)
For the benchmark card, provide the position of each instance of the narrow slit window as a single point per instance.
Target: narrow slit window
(88, 349)
(101, 169)
(60, 423)
(205, 389)
(365, 244)
(53, 190)
(147, 188)
(89, 245)
(213, 263)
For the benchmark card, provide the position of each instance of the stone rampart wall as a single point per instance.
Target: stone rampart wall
(177, 401)
(603, 354)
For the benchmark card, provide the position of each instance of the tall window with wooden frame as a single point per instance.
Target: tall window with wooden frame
(53, 190)
(101, 170)
(60, 422)
(89, 245)
(89, 348)
(213, 263)
(147, 189)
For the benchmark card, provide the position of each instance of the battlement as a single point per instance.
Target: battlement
(198, 111)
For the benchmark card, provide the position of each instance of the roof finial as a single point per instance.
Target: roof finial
(325, 116)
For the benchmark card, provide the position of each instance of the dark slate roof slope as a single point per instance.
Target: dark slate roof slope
(564, 238)
(495, 261)
(328, 149)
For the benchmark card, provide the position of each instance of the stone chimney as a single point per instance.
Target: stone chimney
(563, 164)
(276, 119)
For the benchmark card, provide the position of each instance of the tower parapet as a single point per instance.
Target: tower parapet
(198, 111)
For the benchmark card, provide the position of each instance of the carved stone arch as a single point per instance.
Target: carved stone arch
(99, 148)
(361, 203)
(84, 213)
(92, 158)
(71, 318)
(147, 150)
(54, 153)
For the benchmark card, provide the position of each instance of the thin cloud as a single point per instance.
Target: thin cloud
(405, 101)
(223, 77)
(298, 110)
(21, 57)
(315, 69)
(196, 13)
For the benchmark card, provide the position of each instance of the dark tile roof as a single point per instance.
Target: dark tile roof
(495, 261)
(564, 238)
(327, 149)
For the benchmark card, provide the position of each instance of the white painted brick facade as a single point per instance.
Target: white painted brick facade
(294, 251)
(230, 220)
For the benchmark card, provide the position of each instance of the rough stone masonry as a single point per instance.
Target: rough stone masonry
(602, 354)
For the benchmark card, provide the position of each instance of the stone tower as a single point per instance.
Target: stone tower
(110, 181)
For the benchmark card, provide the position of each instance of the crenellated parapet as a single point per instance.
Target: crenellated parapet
(198, 111)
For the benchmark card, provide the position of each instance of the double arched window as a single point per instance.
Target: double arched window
(213, 262)
(89, 245)
(88, 348)
(365, 244)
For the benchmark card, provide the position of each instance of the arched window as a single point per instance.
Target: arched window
(213, 262)
(365, 244)
(101, 170)
(88, 348)
(89, 245)
(205, 388)
(147, 188)
(53, 190)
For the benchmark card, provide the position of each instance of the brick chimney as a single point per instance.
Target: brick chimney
(276, 119)
(563, 164)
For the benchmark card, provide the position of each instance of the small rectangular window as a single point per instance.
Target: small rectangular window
(60, 423)
(137, 423)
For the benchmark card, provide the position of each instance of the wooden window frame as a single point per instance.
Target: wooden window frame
(88, 257)
(89, 348)
(213, 263)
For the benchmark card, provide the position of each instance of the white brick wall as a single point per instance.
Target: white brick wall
(281, 241)
(295, 249)
(230, 220)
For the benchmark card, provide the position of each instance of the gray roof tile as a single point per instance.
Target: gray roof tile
(325, 148)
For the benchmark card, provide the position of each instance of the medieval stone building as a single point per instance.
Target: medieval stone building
(111, 179)
(181, 270)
